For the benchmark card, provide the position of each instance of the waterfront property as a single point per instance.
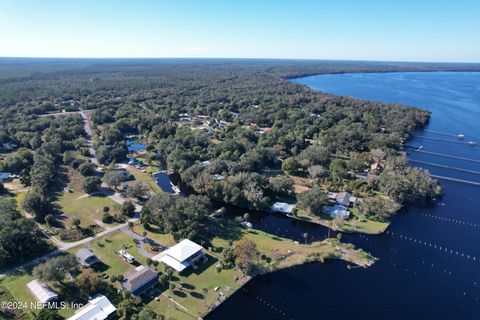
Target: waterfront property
(283, 207)
(139, 280)
(342, 198)
(182, 255)
(42, 293)
(86, 257)
(337, 211)
(98, 308)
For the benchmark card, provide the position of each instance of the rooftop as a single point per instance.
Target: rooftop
(41, 291)
(283, 207)
(183, 250)
(98, 308)
(84, 255)
(138, 278)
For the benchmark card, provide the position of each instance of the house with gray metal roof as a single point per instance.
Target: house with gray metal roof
(86, 257)
(139, 280)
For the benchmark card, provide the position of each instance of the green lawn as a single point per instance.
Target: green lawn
(106, 249)
(16, 284)
(86, 208)
(281, 253)
(145, 177)
(357, 223)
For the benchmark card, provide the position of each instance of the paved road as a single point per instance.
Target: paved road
(64, 246)
(88, 129)
(139, 241)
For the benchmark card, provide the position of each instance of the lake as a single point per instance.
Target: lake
(429, 265)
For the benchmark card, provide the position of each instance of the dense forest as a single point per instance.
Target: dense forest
(236, 131)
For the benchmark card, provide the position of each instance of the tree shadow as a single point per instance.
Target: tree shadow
(201, 267)
(100, 267)
(197, 295)
(187, 286)
(179, 293)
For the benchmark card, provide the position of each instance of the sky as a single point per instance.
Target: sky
(406, 30)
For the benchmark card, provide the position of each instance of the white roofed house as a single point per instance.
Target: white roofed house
(182, 255)
(97, 308)
(283, 207)
(42, 293)
(337, 211)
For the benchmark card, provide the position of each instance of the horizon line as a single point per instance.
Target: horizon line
(240, 58)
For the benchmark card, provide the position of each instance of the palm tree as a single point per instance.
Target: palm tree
(305, 236)
(205, 291)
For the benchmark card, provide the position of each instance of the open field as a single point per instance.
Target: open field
(82, 206)
(351, 225)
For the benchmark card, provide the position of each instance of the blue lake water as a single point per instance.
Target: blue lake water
(429, 265)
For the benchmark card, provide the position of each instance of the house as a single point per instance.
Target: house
(43, 293)
(337, 211)
(282, 207)
(86, 257)
(342, 198)
(9, 146)
(98, 308)
(5, 177)
(182, 255)
(204, 164)
(139, 280)
(218, 177)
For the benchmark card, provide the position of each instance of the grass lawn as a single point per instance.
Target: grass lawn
(189, 292)
(106, 249)
(279, 253)
(80, 205)
(145, 177)
(16, 284)
(356, 224)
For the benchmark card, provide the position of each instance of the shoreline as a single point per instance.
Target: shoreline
(344, 254)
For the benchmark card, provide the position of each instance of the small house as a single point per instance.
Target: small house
(342, 198)
(139, 280)
(217, 177)
(98, 308)
(86, 257)
(42, 293)
(282, 207)
(204, 164)
(182, 255)
(337, 211)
